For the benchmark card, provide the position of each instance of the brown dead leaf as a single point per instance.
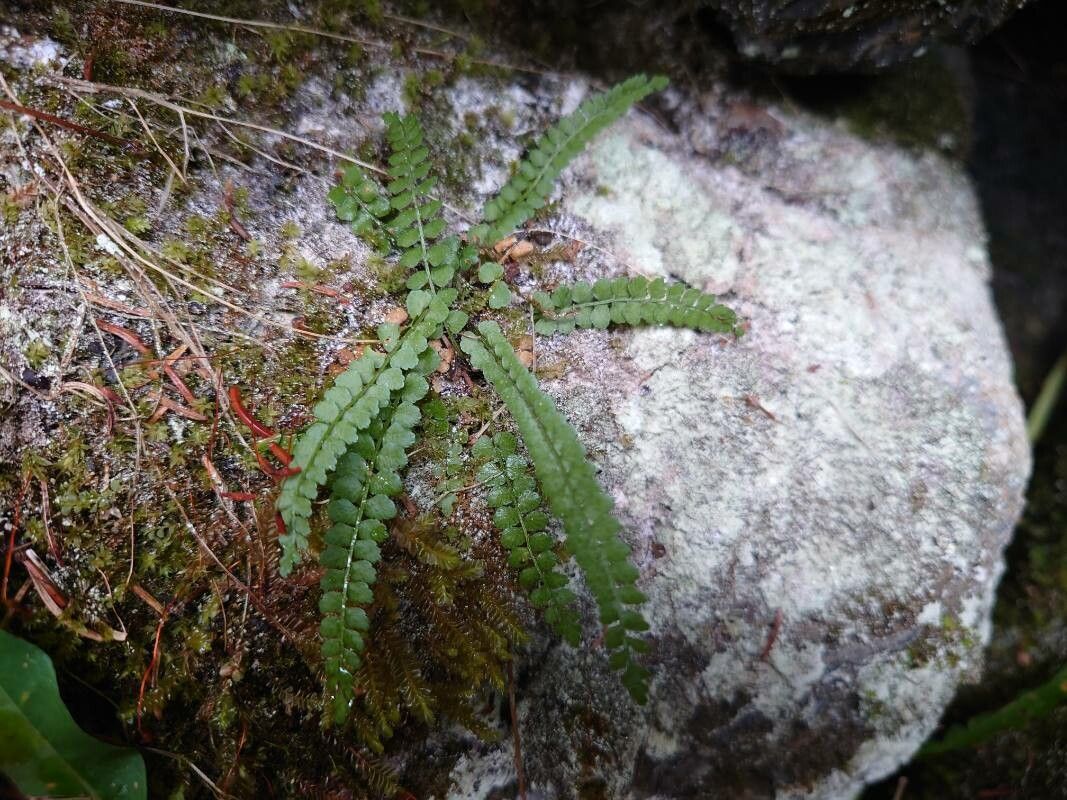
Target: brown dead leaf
(520, 250)
(447, 354)
(525, 351)
(397, 315)
(504, 245)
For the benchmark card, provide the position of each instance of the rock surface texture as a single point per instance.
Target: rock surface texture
(836, 35)
(818, 509)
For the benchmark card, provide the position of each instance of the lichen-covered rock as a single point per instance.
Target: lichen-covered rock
(819, 508)
(815, 35)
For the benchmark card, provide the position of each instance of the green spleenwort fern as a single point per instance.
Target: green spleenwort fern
(574, 496)
(359, 396)
(366, 478)
(522, 524)
(404, 217)
(532, 182)
(365, 422)
(631, 301)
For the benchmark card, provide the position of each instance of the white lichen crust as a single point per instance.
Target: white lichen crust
(819, 509)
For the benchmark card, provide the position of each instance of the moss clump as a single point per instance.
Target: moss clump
(921, 104)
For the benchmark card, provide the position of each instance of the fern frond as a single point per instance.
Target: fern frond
(372, 383)
(366, 479)
(381, 779)
(360, 201)
(417, 223)
(518, 516)
(631, 301)
(570, 484)
(531, 184)
(404, 216)
(411, 686)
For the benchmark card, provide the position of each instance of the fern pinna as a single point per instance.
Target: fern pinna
(365, 421)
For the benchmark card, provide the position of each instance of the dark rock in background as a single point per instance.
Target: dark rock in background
(847, 35)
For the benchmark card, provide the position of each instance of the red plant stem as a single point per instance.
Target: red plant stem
(265, 465)
(11, 539)
(125, 144)
(253, 424)
(128, 336)
(278, 475)
(151, 670)
(239, 495)
(281, 453)
(179, 384)
(318, 288)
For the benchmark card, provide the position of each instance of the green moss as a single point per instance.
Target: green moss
(36, 353)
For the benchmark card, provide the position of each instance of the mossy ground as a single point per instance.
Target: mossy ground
(218, 670)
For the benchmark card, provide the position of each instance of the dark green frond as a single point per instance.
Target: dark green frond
(371, 384)
(535, 176)
(366, 479)
(360, 201)
(518, 515)
(575, 497)
(631, 301)
(403, 216)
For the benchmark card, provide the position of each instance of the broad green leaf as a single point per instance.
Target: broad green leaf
(499, 296)
(42, 749)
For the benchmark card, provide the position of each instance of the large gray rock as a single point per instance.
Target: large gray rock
(818, 509)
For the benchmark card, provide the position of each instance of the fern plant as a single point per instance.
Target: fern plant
(365, 422)
(366, 478)
(522, 523)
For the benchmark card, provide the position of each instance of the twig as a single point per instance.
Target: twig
(148, 599)
(160, 100)
(46, 518)
(151, 136)
(478, 434)
(199, 772)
